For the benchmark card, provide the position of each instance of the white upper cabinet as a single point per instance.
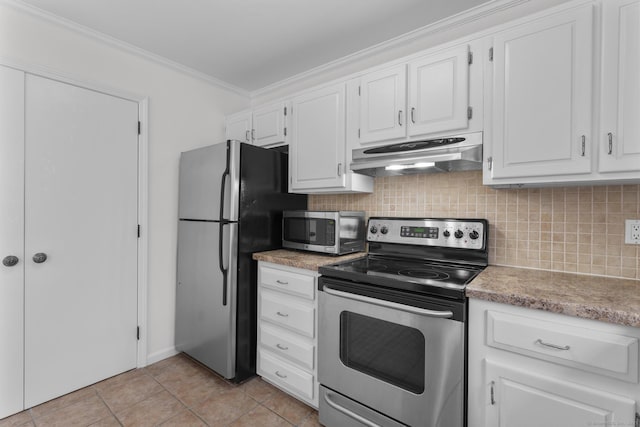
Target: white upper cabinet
(541, 115)
(317, 156)
(433, 99)
(238, 126)
(383, 99)
(439, 92)
(270, 124)
(619, 141)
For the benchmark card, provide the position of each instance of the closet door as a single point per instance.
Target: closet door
(11, 240)
(81, 212)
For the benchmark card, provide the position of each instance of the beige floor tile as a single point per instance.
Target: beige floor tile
(179, 367)
(311, 420)
(118, 380)
(262, 417)
(185, 418)
(288, 407)
(225, 407)
(158, 367)
(82, 413)
(122, 395)
(19, 419)
(61, 402)
(110, 421)
(194, 389)
(259, 389)
(151, 411)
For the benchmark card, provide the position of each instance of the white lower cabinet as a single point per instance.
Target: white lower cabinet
(534, 368)
(287, 330)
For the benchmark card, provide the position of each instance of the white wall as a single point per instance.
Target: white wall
(184, 112)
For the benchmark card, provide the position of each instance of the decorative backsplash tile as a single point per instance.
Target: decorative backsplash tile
(573, 229)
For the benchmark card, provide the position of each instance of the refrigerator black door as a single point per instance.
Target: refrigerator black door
(263, 197)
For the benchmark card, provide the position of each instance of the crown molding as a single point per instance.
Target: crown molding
(118, 44)
(449, 23)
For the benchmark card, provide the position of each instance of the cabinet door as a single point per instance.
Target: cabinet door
(516, 398)
(439, 92)
(269, 124)
(620, 130)
(383, 105)
(542, 97)
(238, 127)
(11, 240)
(317, 151)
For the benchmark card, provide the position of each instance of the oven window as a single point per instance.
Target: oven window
(388, 351)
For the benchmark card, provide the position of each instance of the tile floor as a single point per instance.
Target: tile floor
(173, 392)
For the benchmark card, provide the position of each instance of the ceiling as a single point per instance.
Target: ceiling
(251, 44)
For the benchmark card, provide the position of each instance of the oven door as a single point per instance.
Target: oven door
(403, 361)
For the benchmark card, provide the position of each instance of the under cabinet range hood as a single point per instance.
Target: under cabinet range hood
(447, 154)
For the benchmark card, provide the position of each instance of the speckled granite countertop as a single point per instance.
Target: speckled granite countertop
(600, 298)
(299, 259)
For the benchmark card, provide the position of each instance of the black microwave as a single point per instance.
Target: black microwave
(329, 232)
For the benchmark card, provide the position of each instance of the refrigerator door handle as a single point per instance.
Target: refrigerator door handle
(223, 222)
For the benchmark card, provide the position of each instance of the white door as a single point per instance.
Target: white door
(317, 153)
(270, 124)
(520, 398)
(238, 127)
(383, 99)
(620, 111)
(542, 96)
(439, 92)
(11, 240)
(81, 150)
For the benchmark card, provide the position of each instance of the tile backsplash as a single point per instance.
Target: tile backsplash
(573, 229)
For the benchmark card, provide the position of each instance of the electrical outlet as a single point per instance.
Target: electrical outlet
(632, 231)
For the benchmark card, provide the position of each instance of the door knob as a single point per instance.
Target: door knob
(10, 261)
(39, 258)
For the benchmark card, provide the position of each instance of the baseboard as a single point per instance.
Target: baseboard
(160, 355)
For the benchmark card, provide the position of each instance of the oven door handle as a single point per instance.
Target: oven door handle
(348, 412)
(388, 304)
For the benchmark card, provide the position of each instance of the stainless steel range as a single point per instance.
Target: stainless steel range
(392, 340)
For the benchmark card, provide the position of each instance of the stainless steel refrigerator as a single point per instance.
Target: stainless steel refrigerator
(231, 198)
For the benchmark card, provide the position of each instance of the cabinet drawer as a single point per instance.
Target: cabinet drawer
(288, 312)
(287, 345)
(288, 281)
(290, 377)
(600, 352)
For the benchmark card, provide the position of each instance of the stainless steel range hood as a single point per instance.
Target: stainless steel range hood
(454, 153)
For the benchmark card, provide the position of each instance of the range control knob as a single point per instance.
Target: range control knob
(458, 234)
(474, 235)
(384, 229)
(446, 233)
(373, 229)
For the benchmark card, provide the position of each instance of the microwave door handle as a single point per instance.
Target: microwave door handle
(388, 304)
(348, 413)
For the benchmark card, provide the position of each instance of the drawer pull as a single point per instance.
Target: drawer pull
(282, 347)
(282, 314)
(280, 375)
(282, 282)
(557, 347)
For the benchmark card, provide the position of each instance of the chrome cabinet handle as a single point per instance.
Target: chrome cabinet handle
(280, 375)
(282, 314)
(400, 117)
(10, 261)
(39, 258)
(413, 111)
(610, 136)
(253, 134)
(282, 347)
(555, 346)
(282, 282)
(584, 145)
(389, 304)
(339, 169)
(349, 413)
(246, 135)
